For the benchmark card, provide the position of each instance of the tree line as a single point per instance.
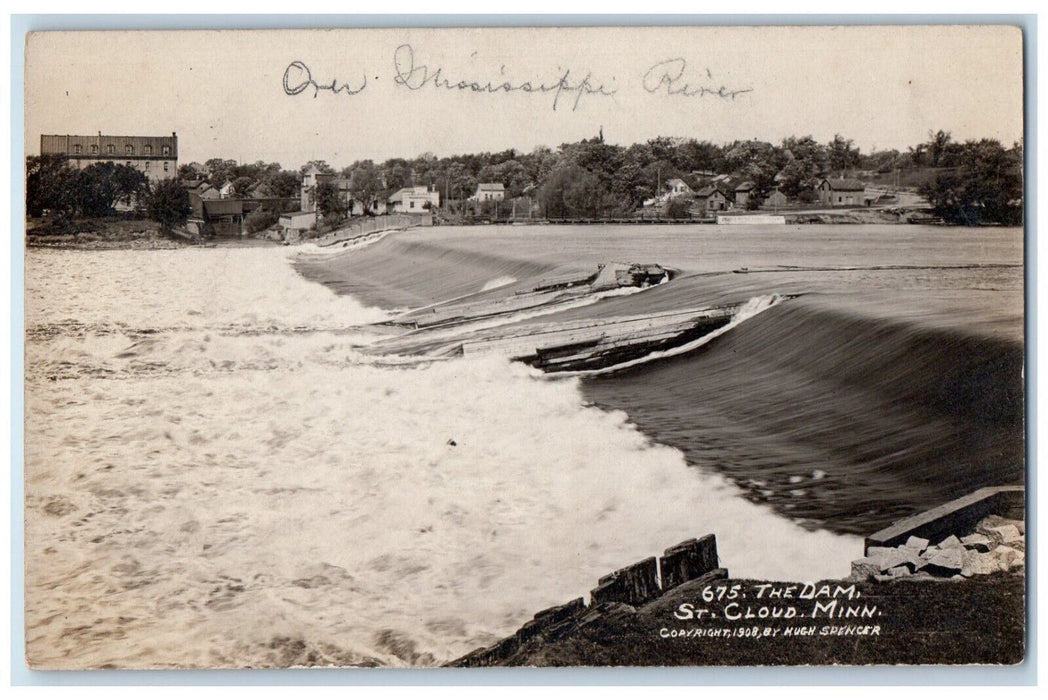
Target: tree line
(970, 182)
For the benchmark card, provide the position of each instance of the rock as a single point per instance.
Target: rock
(1005, 534)
(951, 542)
(1009, 558)
(892, 557)
(899, 572)
(946, 562)
(979, 563)
(864, 569)
(918, 543)
(991, 521)
(978, 542)
(913, 552)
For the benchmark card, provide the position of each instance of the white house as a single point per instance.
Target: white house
(489, 192)
(226, 190)
(674, 187)
(413, 200)
(677, 187)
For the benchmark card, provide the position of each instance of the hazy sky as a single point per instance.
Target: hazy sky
(224, 92)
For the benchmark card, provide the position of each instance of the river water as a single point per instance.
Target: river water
(216, 475)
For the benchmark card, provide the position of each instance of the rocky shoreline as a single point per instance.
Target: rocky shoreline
(959, 601)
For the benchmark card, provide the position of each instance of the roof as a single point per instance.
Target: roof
(223, 207)
(710, 190)
(260, 190)
(845, 185)
(745, 187)
(674, 180)
(64, 143)
(493, 186)
(416, 191)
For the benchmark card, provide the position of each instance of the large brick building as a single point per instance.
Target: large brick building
(156, 156)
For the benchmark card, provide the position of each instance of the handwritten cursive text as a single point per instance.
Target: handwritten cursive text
(669, 76)
(298, 78)
(416, 76)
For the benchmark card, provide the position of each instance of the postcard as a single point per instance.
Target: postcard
(508, 346)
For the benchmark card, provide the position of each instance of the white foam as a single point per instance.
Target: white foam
(498, 282)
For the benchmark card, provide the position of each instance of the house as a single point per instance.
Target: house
(226, 191)
(775, 199)
(226, 217)
(311, 180)
(206, 191)
(678, 187)
(713, 198)
(259, 191)
(489, 192)
(413, 200)
(674, 187)
(743, 192)
(295, 224)
(840, 192)
(156, 156)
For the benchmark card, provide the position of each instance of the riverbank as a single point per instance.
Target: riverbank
(917, 622)
(955, 597)
(122, 233)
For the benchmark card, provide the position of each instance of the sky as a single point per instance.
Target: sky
(247, 95)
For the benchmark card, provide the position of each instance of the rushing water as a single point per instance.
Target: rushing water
(217, 476)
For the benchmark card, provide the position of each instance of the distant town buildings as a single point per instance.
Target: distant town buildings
(489, 192)
(841, 192)
(713, 199)
(742, 194)
(413, 200)
(156, 156)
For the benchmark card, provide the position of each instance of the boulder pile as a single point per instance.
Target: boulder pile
(996, 544)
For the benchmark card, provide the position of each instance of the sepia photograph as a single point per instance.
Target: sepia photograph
(644, 346)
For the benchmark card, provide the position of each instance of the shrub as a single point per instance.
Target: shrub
(168, 203)
(677, 207)
(260, 219)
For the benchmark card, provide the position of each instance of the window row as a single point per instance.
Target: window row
(128, 149)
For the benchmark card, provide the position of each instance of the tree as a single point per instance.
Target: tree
(365, 184)
(191, 171)
(49, 186)
(759, 162)
(938, 142)
(841, 153)
(283, 183)
(242, 186)
(329, 202)
(571, 191)
(168, 204)
(219, 171)
(806, 162)
(320, 165)
(987, 187)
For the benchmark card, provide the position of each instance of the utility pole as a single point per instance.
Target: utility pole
(658, 193)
